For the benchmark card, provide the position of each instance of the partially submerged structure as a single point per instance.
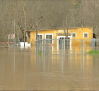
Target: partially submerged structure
(76, 34)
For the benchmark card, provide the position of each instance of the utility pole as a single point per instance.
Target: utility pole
(25, 25)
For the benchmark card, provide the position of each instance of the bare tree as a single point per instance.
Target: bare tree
(78, 12)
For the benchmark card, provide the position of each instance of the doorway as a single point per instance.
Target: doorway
(63, 43)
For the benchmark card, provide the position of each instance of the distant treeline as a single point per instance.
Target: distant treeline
(19, 15)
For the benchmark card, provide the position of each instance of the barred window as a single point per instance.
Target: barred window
(49, 39)
(85, 35)
(40, 37)
(74, 35)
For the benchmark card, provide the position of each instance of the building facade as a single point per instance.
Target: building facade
(74, 35)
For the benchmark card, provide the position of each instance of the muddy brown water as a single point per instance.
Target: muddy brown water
(19, 70)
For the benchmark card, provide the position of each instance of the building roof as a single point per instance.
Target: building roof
(58, 28)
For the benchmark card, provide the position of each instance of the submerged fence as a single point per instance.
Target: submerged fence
(64, 49)
(61, 46)
(66, 46)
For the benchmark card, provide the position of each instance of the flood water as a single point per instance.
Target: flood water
(19, 70)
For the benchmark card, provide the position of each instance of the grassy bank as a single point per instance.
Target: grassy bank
(93, 52)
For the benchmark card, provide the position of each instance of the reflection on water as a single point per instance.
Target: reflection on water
(20, 70)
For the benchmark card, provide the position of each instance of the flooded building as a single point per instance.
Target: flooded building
(75, 35)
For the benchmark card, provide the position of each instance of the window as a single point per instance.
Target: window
(74, 35)
(49, 38)
(40, 38)
(85, 35)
